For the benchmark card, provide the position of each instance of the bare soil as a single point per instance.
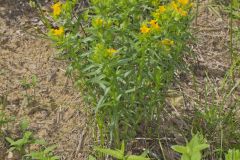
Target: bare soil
(53, 107)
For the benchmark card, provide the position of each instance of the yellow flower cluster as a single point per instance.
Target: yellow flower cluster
(178, 8)
(181, 7)
(111, 52)
(162, 9)
(183, 2)
(56, 9)
(99, 21)
(153, 26)
(159, 11)
(58, 32)
(144, 29)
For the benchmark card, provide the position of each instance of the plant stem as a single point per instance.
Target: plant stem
(231, 39)
(197, 10)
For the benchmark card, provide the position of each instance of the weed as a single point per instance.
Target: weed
(44, 154)
(29, 83)
(22, 145)
(232, 155)
(193, 149)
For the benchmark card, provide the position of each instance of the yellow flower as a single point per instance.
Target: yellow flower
(162, 9)
(144, 29)
(174, 6)
(58, 32)
(111, 51)
(159, 11)
(182, 12)
(154, 24)
(99, 22)
(56, 9)
(183, 2)
(167, 42)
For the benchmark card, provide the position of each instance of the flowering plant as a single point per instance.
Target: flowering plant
(125, 54)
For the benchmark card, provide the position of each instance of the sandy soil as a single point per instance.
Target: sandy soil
(53, 106)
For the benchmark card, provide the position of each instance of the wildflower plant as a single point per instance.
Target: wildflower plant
(125, 54)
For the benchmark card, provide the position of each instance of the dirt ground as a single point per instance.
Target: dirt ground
(53, 107)
(56, 110)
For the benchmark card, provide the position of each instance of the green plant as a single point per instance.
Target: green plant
(44, 154)
(4, 119)
(119, 154)
(29, 86)
(26, 84)
(21, 143)
(232, 155)
(29, 83)
(125, 54)
(193, 149)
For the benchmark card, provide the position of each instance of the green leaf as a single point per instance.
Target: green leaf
(123, 147)
(180, 149)
(91, 158)
(130, 90)
(100, 103)
(49, 149)
(185, 157)
(134, 157)
(196, 156)
(144, 154)
(19, 142)
(40, 142)
(55, 158)
(11, 141)
(232, 155)
(201, 147)
(35, 155)
(34, 80)
(88, 39)
(114, 153)
(24, 124)
(27, 135)
(98, 79)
